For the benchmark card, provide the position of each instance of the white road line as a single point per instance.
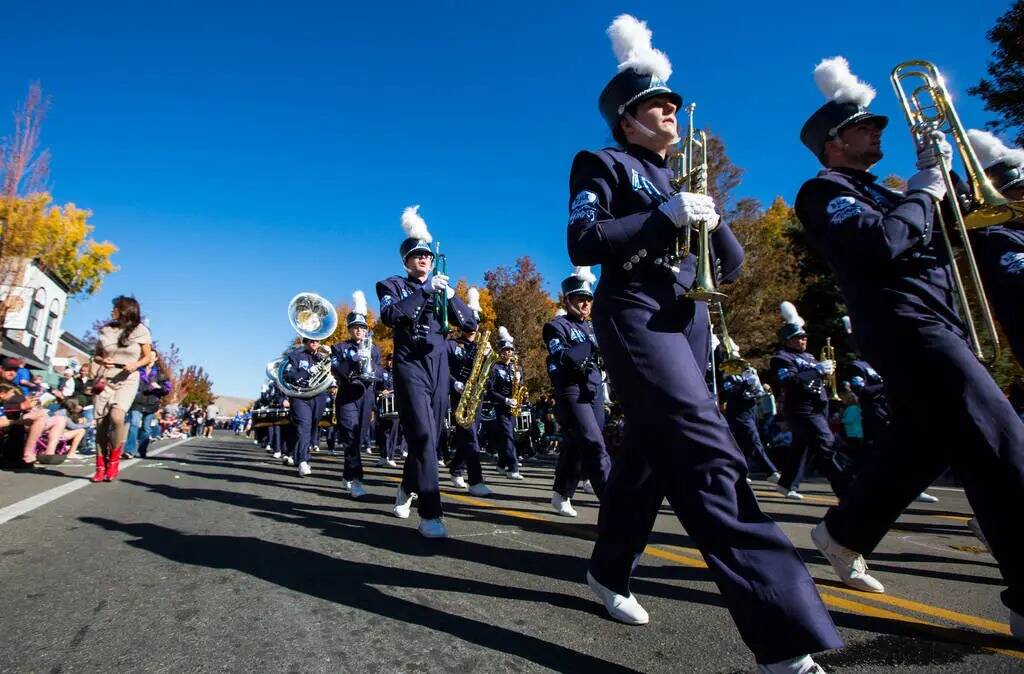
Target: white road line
(32, 502)
(959, 489)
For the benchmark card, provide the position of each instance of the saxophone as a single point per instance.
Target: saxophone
(519, 391)
(472, 394)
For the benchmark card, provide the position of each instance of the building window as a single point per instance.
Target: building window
(35, 312)
(51, 324)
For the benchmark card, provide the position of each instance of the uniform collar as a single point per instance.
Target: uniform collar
(856, 174)
(644, 154)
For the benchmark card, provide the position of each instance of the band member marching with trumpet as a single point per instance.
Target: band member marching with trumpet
(462, 353)
(355, 363)
(418, 307)
(1000, 249)
(506, 375)
(573, 364)
(802, 380)
(626, 216)
(895, 274)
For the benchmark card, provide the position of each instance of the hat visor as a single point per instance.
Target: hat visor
(417, 249)
(654, 92)
(863, 116)
(580, 291)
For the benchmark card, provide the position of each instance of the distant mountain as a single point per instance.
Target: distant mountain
(229, 405)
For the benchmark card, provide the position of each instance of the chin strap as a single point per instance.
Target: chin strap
(645, 131)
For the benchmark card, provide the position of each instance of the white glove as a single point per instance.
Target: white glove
(510, 402)
(439, 282)
(686, 209)
(927, 157)
(826, 367)
(459, 386)
(450, 292)
(929, 181)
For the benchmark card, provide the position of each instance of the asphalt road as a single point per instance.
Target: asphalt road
(213, 557)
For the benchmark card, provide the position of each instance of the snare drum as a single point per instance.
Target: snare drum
(486, 411)
(524, 421)
(386, 408)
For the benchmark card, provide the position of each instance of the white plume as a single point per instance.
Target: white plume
(584, 274)
(561, 312)
(631, 42)
(847, 325)
(359, 302)
(474, 299)
(414, 225)
(504, 335)
(991, 150)
(835, 80)
(790, 315)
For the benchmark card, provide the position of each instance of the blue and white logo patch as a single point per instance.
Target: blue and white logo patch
(841, 208)
(1013, 262)
(304, 364)
(584, 207)
(555, 345)
(584, 198)
(386, 301)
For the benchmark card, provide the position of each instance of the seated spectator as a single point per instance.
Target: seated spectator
(76, 426)
(853, 430)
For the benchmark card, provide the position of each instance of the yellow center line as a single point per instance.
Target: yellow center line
(691, 557)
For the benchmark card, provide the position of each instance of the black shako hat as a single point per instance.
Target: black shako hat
(789, 331)
(1006, 174)
(794, 323)
(829, 120)
(356, 320)
(629, 88)
(579, 283)
(412, 245)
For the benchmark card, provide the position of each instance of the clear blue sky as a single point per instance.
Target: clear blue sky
(239, 154)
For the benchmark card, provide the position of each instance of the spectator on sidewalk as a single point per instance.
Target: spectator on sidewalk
(211, 419)
(154, 384)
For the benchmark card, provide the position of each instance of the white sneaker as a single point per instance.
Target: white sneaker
(277, 454)
(849, 566)
(382, 462)
(1017, 625)
(802, 665)
(925, 497)
(459, 482)
(775, 477)
(289, 461)
(975, 528)
(515, 475)
(749, 481)
(791, 494)
(440, 463)
(357, 489)
(316, 448)
(390, 463)
(345, 484)
(562, 505)
(480, 489)
(433, 528)
(304, 469)
(403, 504)
(587, 487)
(624, 609)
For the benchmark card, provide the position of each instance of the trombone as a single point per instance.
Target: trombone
(928, 107)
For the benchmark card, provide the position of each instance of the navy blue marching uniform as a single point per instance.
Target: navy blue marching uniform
(353, 406)
(421, 378)
(579, 404)
(275, 400)
(305, 413)
(385, 430)
(656, 347)
(461, 353)
(870, 389)
(895, 276)
(805, 407)
(502, 430)
(741, 395)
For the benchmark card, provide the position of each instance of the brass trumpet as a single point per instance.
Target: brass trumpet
(828, 352)
(928, 107)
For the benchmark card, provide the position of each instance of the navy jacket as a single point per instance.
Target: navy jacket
(739, 394)
(572, 355)
(873, 403)
(296, 369)
(803, 387)
(407, 306)
(461, 353)
(347, 369)
(499, 384)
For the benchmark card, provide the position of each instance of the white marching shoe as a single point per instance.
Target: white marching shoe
(925, 497)
(289, 461)
(849, 566)
(775, 477)
(802, 665)
(480, 489)
(304, 469)
(624, 609)
(791, 494)
(433, 528)
(587, 487)
(1017, 625)
(357, 489)
(514, 475)
(459, 482)
(383, 462)
(562, 505)
(277, 454)
(403, 504)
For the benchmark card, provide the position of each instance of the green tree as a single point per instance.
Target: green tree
(1003, 90)
(522, 306)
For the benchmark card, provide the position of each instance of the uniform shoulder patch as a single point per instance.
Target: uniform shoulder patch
(584, 207)
(1013, 262)
(841, 208)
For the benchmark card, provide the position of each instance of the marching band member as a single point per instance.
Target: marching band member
(412, 306)
(573, 366)
(1000, 250)
(800, 378)
(355, 362)
(656, 344)
(461, 354)
(895, 277)
(386, 430)
(742, 393)
(500, 385)
(275, 432)
(305, 413)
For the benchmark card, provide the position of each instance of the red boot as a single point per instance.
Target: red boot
(114, 465)
(101, 466)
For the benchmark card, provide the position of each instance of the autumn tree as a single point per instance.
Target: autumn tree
(487, 315)
(194, 387)
(382, 334)
(1003, 90)
(521, 305)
